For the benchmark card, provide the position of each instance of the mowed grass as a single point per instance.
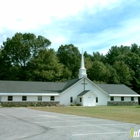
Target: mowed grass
(129, 114)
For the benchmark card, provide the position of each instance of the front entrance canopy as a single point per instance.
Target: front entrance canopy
(88, 98)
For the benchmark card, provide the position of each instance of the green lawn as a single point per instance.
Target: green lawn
(120, 113)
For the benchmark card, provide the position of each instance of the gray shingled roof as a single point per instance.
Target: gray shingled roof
(34, 87)
(83, 93)
(69, 83)
(56, 87)
(116, 89)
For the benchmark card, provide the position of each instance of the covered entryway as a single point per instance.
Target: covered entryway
(87, 98)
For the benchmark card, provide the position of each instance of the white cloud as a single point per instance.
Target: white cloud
(42, 16)
(28, 14)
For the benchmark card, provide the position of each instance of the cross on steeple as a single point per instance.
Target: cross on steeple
(82, 70)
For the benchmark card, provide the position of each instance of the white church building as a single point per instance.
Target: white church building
(81, 91)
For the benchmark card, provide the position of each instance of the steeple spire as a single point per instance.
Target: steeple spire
(82, 70)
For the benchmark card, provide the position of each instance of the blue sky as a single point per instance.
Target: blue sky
(94, 25)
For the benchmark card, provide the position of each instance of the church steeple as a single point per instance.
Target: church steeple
(82, 70)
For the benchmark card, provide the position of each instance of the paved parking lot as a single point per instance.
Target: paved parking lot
(28, 124)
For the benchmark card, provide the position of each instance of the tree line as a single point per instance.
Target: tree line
(26, 57)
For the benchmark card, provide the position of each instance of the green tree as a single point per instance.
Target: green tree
(123, 71)
(45, 66)
(135, 49)
(112, 76)
(132, 59)
(2, 69)
(98, 57)
(136, 81)
(18, 51)
(69, 56)
(88, 60)
(22, 47)
(117, 54)
(98, 72)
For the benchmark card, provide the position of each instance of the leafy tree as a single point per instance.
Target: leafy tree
(86, 55)
(2, 70)
(116, 54)
(98, 57)
(112, 76)
(22, 47)
(132, 59)
(88, 63)
(135, 49)
(112, 54)
(98, 72)
(45, 66)
(136, 81)
(123, 72)
(88, 60)
(67, 74)
(69, 56)
(18, 51)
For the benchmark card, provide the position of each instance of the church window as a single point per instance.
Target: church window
(24, 98)
(132, 98)
(122, 98)
(71, 99)
(80, 99)
(96, 99)
(52, 98)
(10, 98)
(39, 98)
(111, 98)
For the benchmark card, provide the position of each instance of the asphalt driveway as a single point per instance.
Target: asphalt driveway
(28, 124)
